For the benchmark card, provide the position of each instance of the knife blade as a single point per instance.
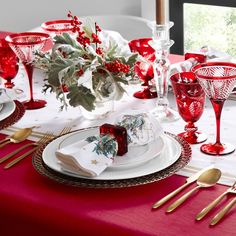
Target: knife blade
(189, 180)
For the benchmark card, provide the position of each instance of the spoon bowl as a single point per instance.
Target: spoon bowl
(17, 137)
(207, 179)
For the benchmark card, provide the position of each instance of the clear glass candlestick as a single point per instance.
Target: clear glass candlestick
(161, 44)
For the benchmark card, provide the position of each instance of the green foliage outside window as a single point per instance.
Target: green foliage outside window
(210, 25)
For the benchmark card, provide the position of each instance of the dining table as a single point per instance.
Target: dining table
(33, 204)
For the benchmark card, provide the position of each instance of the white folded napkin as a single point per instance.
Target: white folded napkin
(92, 156)
(211, 54)
(82, 158)
(215, 55)
(142, 128)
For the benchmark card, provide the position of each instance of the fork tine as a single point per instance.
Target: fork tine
(65, 130)
(45, 138)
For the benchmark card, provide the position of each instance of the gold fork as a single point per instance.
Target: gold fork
(8, 156)
(209, 207)
(42, 141)
(225, 210)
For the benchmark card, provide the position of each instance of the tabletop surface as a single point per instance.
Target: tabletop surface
(32, 204)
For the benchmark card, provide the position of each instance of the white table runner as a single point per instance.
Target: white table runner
(51, 119)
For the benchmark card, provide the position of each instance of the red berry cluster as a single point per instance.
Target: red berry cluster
(83, 40)
(80, 72)
(96, 39)
(98, 29)
(116, 67)
(99, 51)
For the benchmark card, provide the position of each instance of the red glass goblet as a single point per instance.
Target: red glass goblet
(218, 80)
(190, 99)
(57, 27)
(144, 70)
(8, 64)
(25, 45)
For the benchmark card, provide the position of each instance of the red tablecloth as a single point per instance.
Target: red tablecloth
(34, 205)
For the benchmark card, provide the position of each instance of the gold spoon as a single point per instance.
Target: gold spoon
(206, 179)
(17, 137)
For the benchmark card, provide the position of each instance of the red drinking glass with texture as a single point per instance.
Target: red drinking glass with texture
(218, 80)
(190, 99)
(57, 27)
(144, 69)
(8, 64)
(25, 45)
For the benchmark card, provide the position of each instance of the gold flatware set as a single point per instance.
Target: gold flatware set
(21, 135)
(204, 178)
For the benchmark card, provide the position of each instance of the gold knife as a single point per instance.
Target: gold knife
(10, 164)
(189, 180)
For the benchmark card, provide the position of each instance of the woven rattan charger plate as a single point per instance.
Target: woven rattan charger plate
(14, 117)
(44, 170)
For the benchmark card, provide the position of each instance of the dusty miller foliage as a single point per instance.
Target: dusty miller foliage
(63, 64)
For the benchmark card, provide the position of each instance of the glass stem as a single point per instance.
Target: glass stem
(217, 106)
(161, 73)
(29, 70)
(191, 129)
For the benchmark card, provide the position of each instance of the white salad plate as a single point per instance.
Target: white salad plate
(156, 155)
(136, 155)
(7, 109)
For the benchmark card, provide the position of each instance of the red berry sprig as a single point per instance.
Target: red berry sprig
(83, 40)
(80, 72)
(116, 67)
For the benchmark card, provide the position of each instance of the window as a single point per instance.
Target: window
(216, 17)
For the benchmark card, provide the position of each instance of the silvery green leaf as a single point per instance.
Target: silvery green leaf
(81, 96)
(89, 26)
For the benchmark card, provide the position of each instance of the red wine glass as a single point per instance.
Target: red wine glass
(218, 80)
(8, 64)
(190, 99)
(144, 70)
(25, 45)
(57, 27)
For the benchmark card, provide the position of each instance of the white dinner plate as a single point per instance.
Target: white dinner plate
(136, 155)
(7, 109)
(170, 154)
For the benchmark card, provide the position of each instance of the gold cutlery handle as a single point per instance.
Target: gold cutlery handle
(15, 152)
(5, 143)
(169, 196)
(4, 140)
(10, 164)
(221, 214)
(209, 207)
(178, 202)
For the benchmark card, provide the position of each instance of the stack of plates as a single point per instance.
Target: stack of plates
(139, 161)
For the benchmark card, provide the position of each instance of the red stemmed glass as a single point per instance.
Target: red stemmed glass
(57, 27)
(218, 80)
(25, 45)
(8, 64)
(190, 99)
(144, 70)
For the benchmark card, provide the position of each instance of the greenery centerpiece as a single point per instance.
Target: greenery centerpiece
(82, 67)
